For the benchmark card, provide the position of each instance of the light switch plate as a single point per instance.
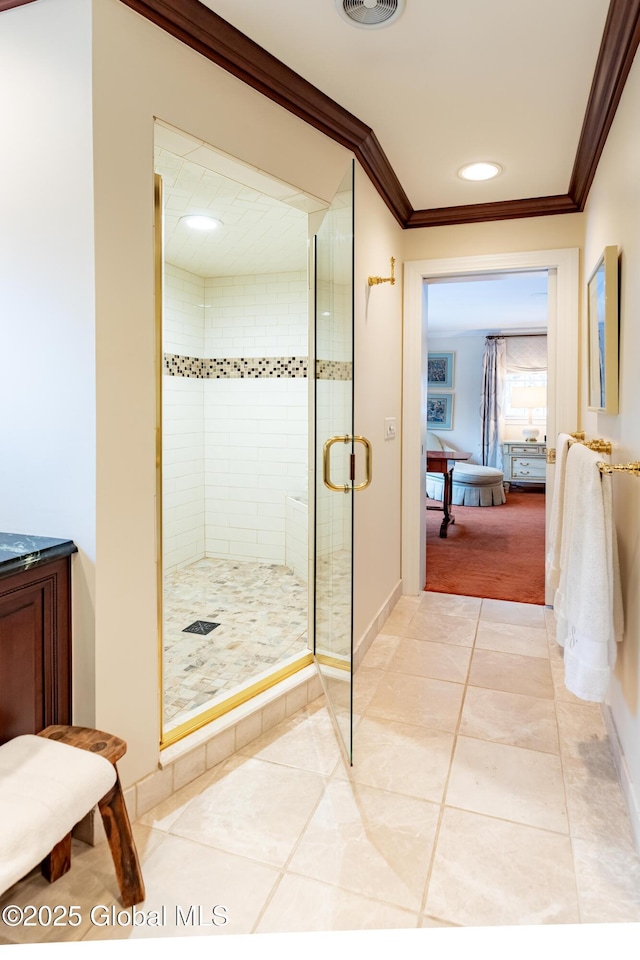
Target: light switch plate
(390, 428)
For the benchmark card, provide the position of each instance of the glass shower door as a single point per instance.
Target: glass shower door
(334, 456)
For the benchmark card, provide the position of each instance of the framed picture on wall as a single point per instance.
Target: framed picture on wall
(602, 307)
(440, 411)
(440, 370)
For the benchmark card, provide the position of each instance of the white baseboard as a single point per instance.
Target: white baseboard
(628, 789)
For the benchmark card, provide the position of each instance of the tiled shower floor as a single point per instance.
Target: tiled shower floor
(261, 609)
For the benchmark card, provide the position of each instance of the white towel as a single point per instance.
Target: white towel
(588, 604)
(552, 560)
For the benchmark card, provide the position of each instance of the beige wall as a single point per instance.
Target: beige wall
(140, 72)
(502, 236)
(613, 217)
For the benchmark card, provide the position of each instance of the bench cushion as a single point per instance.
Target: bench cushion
(46, 788)
(476, 473)
(489, 493)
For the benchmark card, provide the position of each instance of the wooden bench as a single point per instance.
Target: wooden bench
(48, 782)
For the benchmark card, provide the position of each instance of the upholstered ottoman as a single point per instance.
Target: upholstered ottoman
(473, 486)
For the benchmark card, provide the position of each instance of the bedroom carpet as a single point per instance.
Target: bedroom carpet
(492, 552)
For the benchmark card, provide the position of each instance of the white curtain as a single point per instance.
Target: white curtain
(494, 370)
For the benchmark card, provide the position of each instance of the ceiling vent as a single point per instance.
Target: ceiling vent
(370, 13)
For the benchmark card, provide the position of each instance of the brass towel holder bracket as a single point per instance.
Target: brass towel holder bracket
(391, 279)
(600, 446)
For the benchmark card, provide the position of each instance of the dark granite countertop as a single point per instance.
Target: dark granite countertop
(19, 551)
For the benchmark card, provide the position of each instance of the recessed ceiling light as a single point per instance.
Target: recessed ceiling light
(201, 221)
(484, 170)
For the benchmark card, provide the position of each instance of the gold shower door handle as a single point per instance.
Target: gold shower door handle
(326, 464)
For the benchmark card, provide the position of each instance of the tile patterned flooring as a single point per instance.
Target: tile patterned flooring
(262, 612)
(483, 793)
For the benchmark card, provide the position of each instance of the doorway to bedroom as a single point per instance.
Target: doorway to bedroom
(486, 372)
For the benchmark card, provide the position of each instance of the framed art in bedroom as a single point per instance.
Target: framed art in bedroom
(440, 411)
(440, 370)
(602, 332)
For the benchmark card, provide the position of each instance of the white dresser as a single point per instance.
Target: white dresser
(524, 462)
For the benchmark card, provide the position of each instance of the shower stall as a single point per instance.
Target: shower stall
(234, 404)
(256, 457)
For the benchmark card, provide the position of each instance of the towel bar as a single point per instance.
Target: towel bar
(608, 468)
(598, 446)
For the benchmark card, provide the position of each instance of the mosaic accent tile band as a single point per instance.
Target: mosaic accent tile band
(176, 365)
(334, 370)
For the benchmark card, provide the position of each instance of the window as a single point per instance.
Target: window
(520, 415)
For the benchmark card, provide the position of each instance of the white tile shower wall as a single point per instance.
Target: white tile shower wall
(262, 315)
(183, 423)
(183, 312)
(335, 334)
(256, 429)
(256, 456)
(335, 397)
(297, 537)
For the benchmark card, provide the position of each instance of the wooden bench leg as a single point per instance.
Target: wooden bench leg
(58, 862)
(123, 849)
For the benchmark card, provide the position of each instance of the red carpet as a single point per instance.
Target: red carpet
(492, 552)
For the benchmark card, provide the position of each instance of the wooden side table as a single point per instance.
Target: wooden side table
(444, 461)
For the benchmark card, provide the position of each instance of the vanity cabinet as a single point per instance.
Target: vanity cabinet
(525, 462)
(35, 633)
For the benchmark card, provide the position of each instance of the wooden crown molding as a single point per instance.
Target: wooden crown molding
(497, 210)
(204, 31)
(617, 50)
(8, 4)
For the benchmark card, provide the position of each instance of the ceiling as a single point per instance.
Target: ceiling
(264, 223)
(488, 304)
(448, 83)
(534, 86)
(531, 85)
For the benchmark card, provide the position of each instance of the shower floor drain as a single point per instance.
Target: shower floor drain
(202, 627)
